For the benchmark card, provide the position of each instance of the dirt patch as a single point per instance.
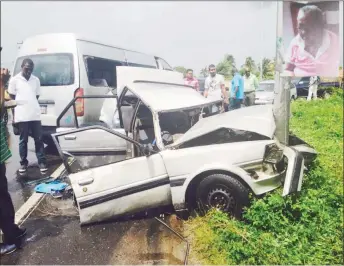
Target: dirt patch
(56, 207)
(56, 237)
(149, 242)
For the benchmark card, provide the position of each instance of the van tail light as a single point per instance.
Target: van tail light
(79, 103)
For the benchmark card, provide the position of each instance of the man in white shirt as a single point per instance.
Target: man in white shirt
(250, 87)
(214, 87)
(25, 87)
(313, 88)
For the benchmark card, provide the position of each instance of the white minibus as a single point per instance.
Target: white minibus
(69, 66)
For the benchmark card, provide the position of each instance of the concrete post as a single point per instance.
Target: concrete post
(281, 106)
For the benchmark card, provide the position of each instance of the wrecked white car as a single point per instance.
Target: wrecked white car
(167, 153)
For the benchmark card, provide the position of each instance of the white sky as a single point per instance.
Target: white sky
(191, 34)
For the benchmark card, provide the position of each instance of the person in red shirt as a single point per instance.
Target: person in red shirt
(190, 80)
(315, 50)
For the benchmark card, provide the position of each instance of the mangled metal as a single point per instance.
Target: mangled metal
(172, 147)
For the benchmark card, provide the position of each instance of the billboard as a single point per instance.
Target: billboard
(311, 37)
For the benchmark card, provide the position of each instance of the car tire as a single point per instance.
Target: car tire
(326, 95)
(222, 192)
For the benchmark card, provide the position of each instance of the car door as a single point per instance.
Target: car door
(124, 185)
(92, 140)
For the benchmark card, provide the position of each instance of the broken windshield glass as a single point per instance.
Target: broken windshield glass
(173, 125)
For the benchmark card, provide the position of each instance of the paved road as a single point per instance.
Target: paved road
(55, 237)
(21, 187)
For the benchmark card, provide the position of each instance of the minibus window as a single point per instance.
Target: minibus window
(51, 69)
(101, 72)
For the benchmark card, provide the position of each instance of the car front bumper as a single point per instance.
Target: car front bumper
(294, 172)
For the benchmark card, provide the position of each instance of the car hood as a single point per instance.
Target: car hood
(258, 119)
(264, 94)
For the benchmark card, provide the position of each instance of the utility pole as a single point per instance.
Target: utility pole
(261, 42)
(281, 106)
(341, 10)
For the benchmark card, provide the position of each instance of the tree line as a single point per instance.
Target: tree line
(228, 63)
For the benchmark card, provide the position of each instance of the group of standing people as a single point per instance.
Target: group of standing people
(24, 88)
(242, 87)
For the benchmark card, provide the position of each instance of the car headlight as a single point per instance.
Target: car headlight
(273, 154)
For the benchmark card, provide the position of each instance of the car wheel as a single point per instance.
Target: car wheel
(326, 95)
(222, 192)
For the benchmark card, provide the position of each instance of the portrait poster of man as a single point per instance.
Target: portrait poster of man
(311, 38)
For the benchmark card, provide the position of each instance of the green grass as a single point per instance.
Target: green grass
(277, 230)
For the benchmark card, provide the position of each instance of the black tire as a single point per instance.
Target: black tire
(326, 95)
(223, 192)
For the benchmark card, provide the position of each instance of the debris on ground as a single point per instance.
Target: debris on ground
(54, 188)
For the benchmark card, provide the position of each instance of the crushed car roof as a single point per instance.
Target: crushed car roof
(258, 119)
(166, 97)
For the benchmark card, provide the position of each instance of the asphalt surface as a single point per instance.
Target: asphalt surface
(55, 237)
(22, 186)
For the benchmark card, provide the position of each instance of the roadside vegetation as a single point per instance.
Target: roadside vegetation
(277, 230)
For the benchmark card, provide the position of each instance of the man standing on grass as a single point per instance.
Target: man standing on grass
(237, 91)
(313, 88)
(251, 85)
(190, 80)
(26, 87)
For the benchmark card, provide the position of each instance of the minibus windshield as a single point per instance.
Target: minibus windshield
(51, 69)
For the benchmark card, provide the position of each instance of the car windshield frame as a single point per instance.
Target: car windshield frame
(44, 83)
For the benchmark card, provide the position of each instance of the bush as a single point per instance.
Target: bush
(277, 230)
